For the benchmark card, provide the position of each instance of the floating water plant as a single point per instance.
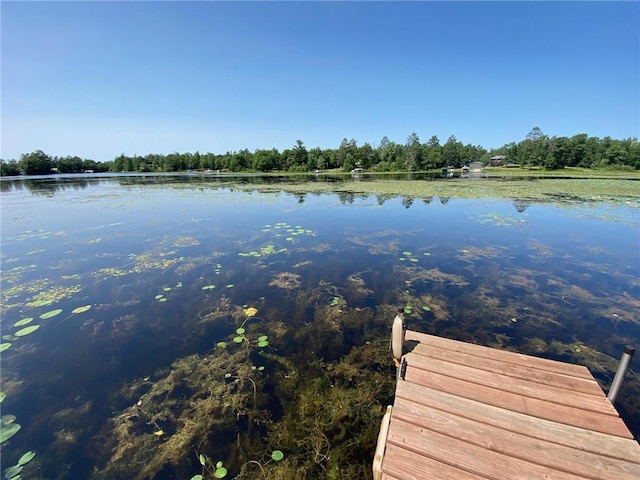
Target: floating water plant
(158, 297)
(4, 346)
(51, 314)
(408, 309)
(426, 308)
(2, 396)
(208, 287)
(26, 458)
(335, 301)
(27, 330)
(23, 322)
(277, 455)
(8, 431)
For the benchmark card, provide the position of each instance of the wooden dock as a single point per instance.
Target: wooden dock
(465, 411)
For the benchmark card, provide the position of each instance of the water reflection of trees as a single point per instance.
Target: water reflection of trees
(521, 205)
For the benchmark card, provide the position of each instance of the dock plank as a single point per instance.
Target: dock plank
(407, 465)
(531, 406)
(574, 437)
(468, 457)
(519, 386)
(532, 374)
(501, 355)
(517, 446)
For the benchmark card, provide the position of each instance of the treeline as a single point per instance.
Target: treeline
(536, 150)
(39, 163)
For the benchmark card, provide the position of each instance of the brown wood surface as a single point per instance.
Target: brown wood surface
(516, 445)
(532, 374)
(475, 375)
(470, 412)
(501, 355)
(579, 438)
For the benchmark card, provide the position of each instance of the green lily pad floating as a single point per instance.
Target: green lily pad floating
(427, 254)
(83, 309)
(8, 431)
(27, 330)
(277, 455)
(262, 338)
(208, 287)
(426, 309)
(196, 477)
(261, 368)
(158, 297)
(221, 344)
(51, 314)
(4, 346)
(2, 396)
(240, 331)
(203, 459)
(166, 289)
(26, 458)
(40, 303)
(230, 285)
(9, 338)
(407, 254)
(23, 322)
(7, 419)
(163, 299)
(12, 472)
(227, 375)
(253, 367)
(413, 259)
(238, 339)
(402, 259)
(220, 472)
(408, 309)
(263, 343)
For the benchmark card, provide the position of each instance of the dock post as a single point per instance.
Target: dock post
(625, 360)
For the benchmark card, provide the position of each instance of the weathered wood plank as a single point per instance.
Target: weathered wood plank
(501, 355)
(571, 383)
(408, 465)
(515, 445)
(517, 403)
(468, 457)
(574, 437)
(514, 385)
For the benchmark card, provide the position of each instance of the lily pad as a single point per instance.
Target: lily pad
(277, 455)
(83, 309)
(208, 287)
(230, 285)
(23, 322)
(220, 472)
(9, 338)
(196, 477)
(262, 338)
(203, 459)
(407, 254)
(163, 299)
(221, 344)
(251, 311)
(158, 297)
(40, 303)
(240, 331)
(408, 309)
(12, 472)
(26, 458)
(7, 419)
(263, 343)
(4, 346)
(2, 396)
(238, 339)
(27, 330)
(51, 314)
(426, 309)
(8, 431)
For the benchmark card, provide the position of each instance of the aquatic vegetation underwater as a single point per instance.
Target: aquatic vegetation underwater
(254, 343)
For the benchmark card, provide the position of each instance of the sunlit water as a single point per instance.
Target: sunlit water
(153, 261)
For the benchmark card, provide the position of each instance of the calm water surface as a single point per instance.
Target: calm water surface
(137, 382)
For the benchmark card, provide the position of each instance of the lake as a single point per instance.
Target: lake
(149, 319)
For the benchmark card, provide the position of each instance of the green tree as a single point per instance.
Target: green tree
(10, 168)
(35, 163)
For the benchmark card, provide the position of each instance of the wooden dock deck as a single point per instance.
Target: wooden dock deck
(465, 411)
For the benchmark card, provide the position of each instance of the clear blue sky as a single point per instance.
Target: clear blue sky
(97, 79)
